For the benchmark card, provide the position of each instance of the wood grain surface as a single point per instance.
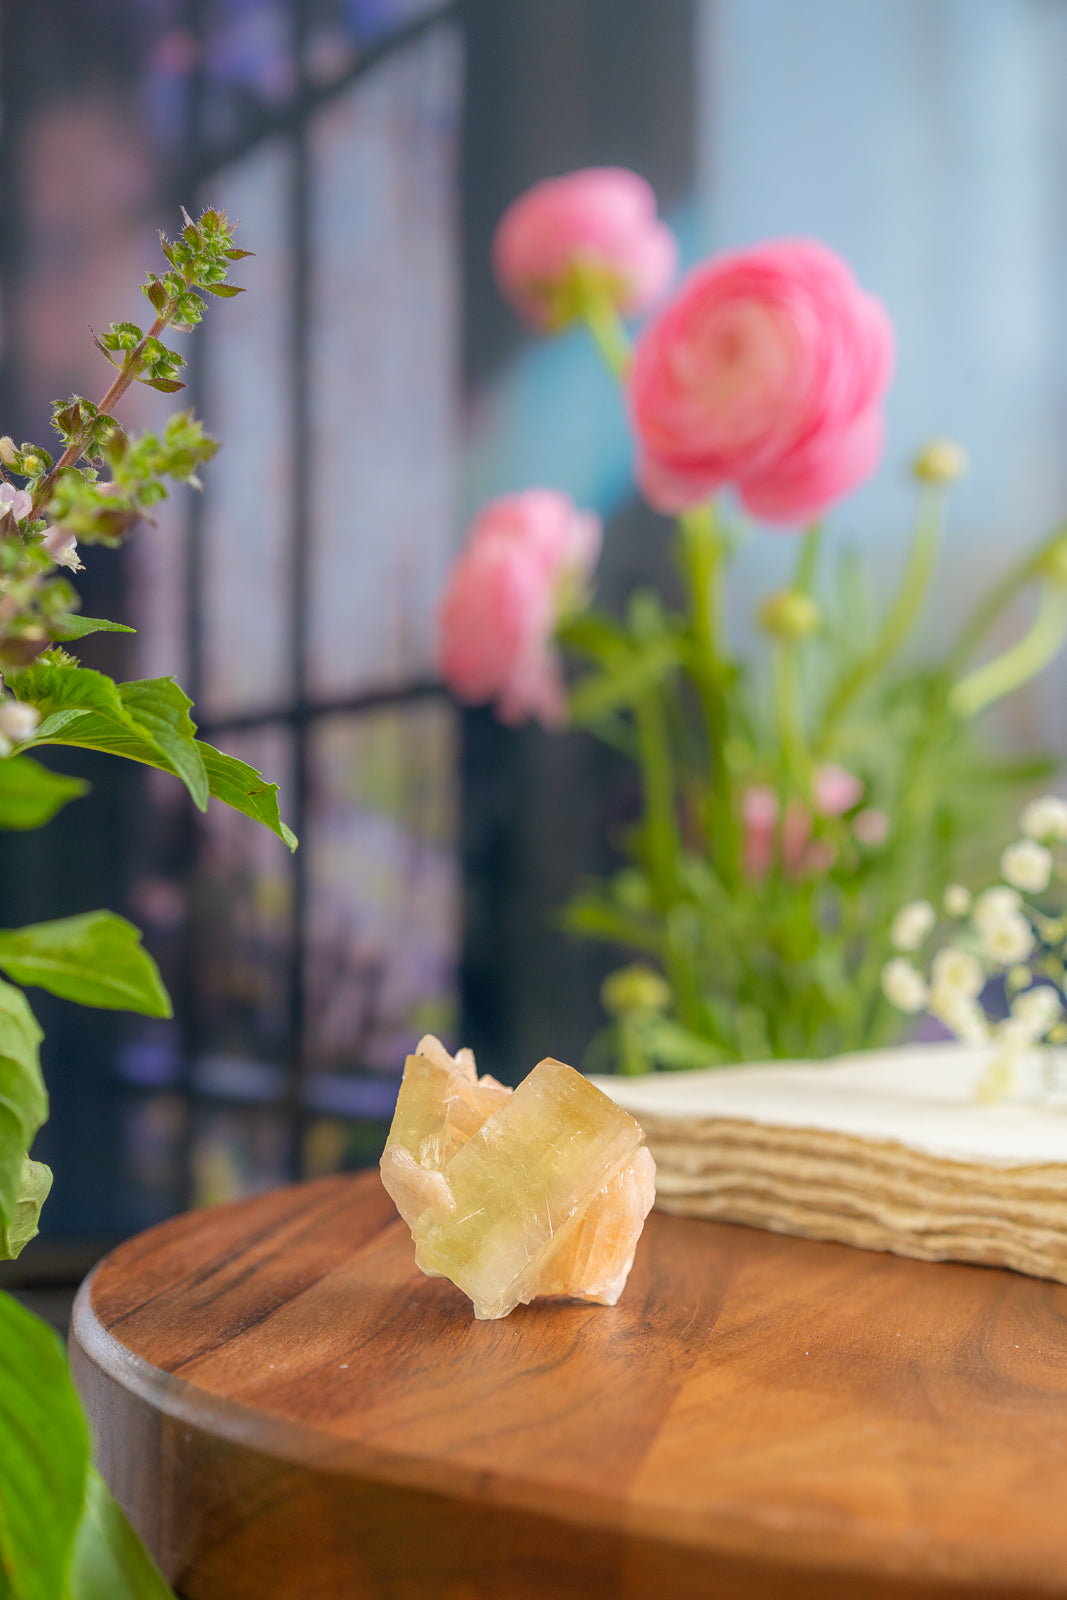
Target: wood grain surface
(287, 1408)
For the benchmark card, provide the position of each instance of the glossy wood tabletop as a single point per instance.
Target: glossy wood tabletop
(288, 1408)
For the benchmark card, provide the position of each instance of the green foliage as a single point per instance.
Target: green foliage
(90, 1552)
(30, 795)
(62, 1537)
(63, 629)
(94, 959)
(242, 787)
(23, 1108)
(784, 958)
(35, 1184)
(110, 1562)
(148, 721)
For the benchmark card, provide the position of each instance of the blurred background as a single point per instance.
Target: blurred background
(371, 390)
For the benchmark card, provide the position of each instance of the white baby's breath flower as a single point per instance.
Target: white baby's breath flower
(994, 906)
(960, 1013)
(1027, 865)
(17, 721)
(1037, 1009)
(1045, 818)
(957, 969)
(1008, 941)
(903, 985)
(911, 925)
(957, 901)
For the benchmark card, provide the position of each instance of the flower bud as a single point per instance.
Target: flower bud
(8, 453)
(789, 614)
(18, 721)
(942, 461)
(634, 988)
(31, 465)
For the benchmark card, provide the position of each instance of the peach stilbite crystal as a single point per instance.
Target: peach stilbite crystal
(510, 1195)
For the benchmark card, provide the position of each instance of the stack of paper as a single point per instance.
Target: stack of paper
(888, 1149)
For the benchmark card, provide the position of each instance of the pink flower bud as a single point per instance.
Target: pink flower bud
(526, 560)
(766, 372)
(759, 820)
(870, 827)
(796, 834)
(602, 220)
(835, 790)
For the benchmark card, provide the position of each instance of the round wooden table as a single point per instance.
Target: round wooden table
(287, 1408)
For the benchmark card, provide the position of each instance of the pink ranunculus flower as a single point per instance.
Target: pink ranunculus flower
(766, 372)
(526, 560)
(835, 790)
(603, 219)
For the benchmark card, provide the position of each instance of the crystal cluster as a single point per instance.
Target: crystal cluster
(512, 1194)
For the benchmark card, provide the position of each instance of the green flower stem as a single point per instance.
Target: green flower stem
(988, 610)
(662, 842)
(785, 674)
(663, 848)
(902, 615)
(1040, 645)
(808, 559)
(702, 549)
(609, 335)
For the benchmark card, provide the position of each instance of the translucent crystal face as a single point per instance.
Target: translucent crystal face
(511, 1195)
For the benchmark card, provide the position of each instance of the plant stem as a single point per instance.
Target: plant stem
(125, 376)
(902, 615)
(702, 548)
(795, 758)
(609, 335)
(808, 559)
(1023, 661)
(661, 824)
(988, 610)
(662, 850)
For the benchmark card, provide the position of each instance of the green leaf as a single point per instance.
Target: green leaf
(225, 291)
(44, 1457)
(246, 790)
(605, 692)
(23, 1108)
(71, 625)
(147, 720)
(62, 1537)
(30, 795)
(162, 707)
(35, 1182)
(110, 1562)
(95, 959)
